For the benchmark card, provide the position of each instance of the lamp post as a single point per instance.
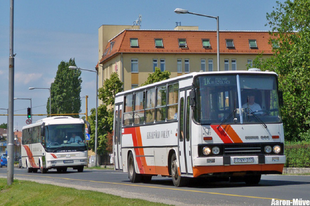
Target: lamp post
(32, 88)
(184, 11)
(95, 71)
(17, 98)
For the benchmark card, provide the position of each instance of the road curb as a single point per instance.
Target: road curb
(295, 170)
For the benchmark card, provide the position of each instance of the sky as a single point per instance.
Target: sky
(50, 31)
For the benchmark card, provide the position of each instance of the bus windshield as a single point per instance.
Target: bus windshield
(236, 99)
(65, 137)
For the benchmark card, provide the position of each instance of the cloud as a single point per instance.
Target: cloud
(24, 78)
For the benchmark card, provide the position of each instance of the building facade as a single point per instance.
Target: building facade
(133, 53)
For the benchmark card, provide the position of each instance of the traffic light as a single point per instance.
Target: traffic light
(29, 113)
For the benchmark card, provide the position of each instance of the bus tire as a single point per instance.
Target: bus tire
(177, 180)
(80, 169)
(29, 170)
(252, 179)
(132, 175)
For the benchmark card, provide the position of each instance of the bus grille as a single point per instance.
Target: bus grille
(242, 149)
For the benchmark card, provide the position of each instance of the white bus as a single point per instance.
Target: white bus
(47, 144)
(201, 125)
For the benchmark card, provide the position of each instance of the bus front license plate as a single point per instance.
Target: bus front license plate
(239, 160)
(68, 161)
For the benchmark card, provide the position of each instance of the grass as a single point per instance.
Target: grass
(30, 193)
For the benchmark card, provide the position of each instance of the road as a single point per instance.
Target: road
(161, 189)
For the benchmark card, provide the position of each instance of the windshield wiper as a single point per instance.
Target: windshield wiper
(259, 119)
(229, 116)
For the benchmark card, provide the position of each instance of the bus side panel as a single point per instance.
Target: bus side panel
(150, 146)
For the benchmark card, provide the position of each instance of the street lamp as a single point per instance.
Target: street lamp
(17, 98)
(78, 68)
(184, 11)
(32, 88)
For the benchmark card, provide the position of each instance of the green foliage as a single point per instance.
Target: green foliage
(157, 76)
(4, 125)
(290, 28)
(105, 113)
(32, 193)
(66, 89)
(297, 154)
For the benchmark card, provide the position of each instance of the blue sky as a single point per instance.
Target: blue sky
(50, 31)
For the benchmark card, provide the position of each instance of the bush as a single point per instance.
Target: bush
(297, 154)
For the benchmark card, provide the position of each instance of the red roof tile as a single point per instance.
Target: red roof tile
(146, 39)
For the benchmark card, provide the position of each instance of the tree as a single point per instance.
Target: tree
(4, 126)
(105, 114)
(157, 76)
(66, 89)
(290, 30)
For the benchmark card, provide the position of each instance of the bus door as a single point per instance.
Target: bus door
(117, 137)
(185, 157)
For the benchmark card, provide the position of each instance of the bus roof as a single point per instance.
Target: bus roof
(193, 74)
(56, 120)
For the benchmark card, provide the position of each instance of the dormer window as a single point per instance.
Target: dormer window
(134, 43)
(230, 44)
(253, 44)
(182, 43)
(159, 43)
(206, 43)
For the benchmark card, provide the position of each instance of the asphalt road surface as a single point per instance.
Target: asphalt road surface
(271, 190)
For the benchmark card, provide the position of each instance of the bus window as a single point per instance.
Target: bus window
(173, 92)
(128, 113)
(139, 108)
(150, 105)
(161, 110)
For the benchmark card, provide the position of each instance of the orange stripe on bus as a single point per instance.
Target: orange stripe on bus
(30, 157)
(232, 133)
(200, 170)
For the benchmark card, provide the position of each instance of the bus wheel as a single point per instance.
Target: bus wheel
(80, 169)
(177, 180)
(252, 179)
(132, 175)
(29, 170)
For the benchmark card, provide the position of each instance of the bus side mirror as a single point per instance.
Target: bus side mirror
(280, 93)
(43, 130)
(192, 98)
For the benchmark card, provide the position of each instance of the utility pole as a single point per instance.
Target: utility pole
(10, 145)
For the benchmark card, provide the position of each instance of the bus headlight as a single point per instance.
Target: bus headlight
(216, 150)
(268, 149)
(277, 149)
(206, 150)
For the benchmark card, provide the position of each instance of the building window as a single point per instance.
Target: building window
(134, 86)
(187, 68)
(179, 65)
(250, 63)
(159, 43)
(203, 65)
(253, 44)
(162, 65)
(134, 43)
(155, 64)
(134, 66)
(233, 64)
(230, 44)
(226, 64)
(182, 43)
(206, 43)
(210, 65)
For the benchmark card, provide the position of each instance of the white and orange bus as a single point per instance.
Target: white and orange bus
(201, 125)
(47, 144)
